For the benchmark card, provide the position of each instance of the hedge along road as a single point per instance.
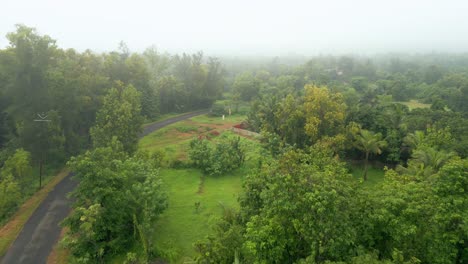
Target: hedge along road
(40, 233)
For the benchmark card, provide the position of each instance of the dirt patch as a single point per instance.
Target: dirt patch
(214, 133)
(183, 134)
(219, 126)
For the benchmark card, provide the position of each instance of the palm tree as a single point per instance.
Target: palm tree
(369, 143)
(415, 140)
(432, 158)
(426, 161)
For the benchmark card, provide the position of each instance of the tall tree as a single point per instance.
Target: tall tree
(34, 55)
(324, 111)
(369, 143)
(119, 117)
(118, 197)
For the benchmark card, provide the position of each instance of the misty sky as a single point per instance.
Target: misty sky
(242, 27)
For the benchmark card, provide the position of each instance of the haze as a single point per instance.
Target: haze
(247, 27)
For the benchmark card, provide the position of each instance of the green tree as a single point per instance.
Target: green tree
(118, 197)
(324, 111)
(369, 143)
(19, 166)
(119, 117)
(44, 140)
(10, 195)
(215, 159)
(34, 55)
(246, 85)
(292, 209)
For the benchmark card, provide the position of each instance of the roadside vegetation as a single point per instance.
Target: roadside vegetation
(13, 227)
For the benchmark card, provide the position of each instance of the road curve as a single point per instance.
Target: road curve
(40, 233)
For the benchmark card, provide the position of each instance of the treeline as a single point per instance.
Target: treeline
(372, 93)
(304, 207)
(64, 89)
(301, 205)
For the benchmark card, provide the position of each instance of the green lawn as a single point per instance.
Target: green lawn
(181, 225)
(375, 176)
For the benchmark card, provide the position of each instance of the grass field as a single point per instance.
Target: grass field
(375, 176)
(182, 225)
(413, 104)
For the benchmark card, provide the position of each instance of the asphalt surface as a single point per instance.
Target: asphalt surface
(41, 232)
(150, 128)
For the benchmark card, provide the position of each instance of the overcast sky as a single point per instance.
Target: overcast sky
(247, 27)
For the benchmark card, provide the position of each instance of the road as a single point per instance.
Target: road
(40, 233)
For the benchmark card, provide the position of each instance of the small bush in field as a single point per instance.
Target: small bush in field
(218, 109)
(217, 158)
(158, 157)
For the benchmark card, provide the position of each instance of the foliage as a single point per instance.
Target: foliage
(15, 181)
(117, 202)
(369, 143)
(286, 213)
(325, 112)
(9, 195)
(119, 117)
(19, 166)
(226, 155)
(408, 212)
(247, 86)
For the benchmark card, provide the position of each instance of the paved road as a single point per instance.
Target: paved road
(40, 233)
(150, 128)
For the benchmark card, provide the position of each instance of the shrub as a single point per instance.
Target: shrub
(223, 157)
(220, 108)
(186, 129)
(158, 157)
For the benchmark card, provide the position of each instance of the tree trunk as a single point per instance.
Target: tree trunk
(366, 164)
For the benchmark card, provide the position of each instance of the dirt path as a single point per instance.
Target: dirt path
(41, 232)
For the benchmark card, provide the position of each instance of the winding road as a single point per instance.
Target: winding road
(40, 233)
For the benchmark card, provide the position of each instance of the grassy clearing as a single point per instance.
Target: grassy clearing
(182, 225)
(375, 176)
(413, 104)
(12, 228)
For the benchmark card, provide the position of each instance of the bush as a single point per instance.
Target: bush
(225, 156)
(186, 129)
(218, 109)
(158, 157)
(179, 164)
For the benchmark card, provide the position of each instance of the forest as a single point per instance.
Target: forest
(346, 158)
